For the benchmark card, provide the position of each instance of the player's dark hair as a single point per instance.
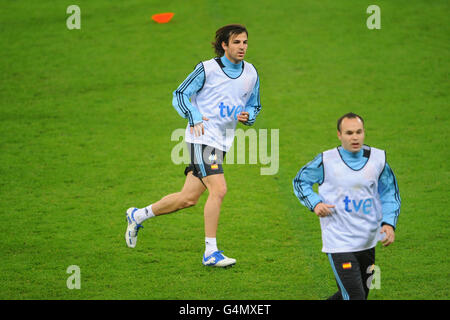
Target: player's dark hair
(349, 115)
(224, 34)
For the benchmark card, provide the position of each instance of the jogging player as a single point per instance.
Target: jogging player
(358, 205)
(218, 94)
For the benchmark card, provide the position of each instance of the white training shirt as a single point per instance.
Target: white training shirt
(355, 222)
(220, 100)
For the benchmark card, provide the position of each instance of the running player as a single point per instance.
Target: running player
(358, 204)
(219, 93)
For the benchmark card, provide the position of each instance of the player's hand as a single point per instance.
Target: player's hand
(323, 209)
(243, 116)
(199, 129)
(390, 235)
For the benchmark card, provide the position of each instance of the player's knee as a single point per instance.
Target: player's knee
(219, 192)
(188, 202)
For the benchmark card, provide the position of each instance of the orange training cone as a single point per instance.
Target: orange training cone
(162, 17)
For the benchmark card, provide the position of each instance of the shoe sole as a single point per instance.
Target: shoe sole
(127, 240)
(222, 267)
(127, 237)
(217, 266)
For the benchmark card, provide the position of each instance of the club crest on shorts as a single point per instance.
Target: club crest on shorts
(212, 157)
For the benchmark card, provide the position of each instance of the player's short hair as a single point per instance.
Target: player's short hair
(224, 34)
(349, 115)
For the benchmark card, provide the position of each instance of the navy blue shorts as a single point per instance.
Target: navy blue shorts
(205, 160)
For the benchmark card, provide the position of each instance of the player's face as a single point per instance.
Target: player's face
(351, 134)
(236, 48)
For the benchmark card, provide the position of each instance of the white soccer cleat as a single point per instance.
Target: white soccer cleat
(132, 228)
(217, 259)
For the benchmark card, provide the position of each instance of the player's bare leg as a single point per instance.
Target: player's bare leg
(188, 196)
(217, 189)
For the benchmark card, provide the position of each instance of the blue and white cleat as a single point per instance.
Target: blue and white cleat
(132, 228)
(217, 259)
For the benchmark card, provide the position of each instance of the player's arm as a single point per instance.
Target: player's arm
(181, 99)
(303, 182)
(390, 203)
(252, 108)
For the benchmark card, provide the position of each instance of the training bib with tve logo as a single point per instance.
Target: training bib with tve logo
(356, 219)
(221, 100)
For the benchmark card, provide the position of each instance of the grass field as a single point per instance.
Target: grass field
(86, 120)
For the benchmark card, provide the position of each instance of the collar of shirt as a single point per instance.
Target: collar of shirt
(354, 160)
(233, 70)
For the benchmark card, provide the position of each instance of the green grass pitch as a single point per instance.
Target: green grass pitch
(86, 120)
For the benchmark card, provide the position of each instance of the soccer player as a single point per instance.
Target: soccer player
(219, 93)
(358, 205)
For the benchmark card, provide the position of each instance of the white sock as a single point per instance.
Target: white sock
(210, 246)
(140, 215)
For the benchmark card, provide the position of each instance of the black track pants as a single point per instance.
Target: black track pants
(352, 271)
